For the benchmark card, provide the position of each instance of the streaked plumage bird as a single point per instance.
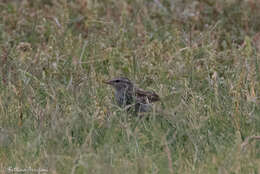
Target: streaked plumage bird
(129, 96)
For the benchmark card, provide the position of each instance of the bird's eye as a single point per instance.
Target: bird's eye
(117, 81)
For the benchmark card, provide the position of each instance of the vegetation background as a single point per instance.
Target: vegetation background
(200, 56)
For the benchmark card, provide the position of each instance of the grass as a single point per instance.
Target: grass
(57, 115)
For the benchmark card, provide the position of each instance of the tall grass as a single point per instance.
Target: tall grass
(57, 115)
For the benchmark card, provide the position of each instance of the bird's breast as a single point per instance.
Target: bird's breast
(123, 98)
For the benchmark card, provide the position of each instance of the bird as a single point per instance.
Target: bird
(130, 97)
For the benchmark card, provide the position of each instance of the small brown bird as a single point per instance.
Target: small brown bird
(127, 95)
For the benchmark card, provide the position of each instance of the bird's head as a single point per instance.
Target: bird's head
(120, 83)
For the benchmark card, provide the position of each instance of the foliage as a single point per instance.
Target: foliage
(56, 114)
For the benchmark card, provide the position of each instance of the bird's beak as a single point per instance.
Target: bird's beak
(107, 82)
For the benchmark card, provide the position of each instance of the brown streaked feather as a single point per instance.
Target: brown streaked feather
(146, 96)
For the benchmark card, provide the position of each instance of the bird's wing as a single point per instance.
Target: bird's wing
(146, 96)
